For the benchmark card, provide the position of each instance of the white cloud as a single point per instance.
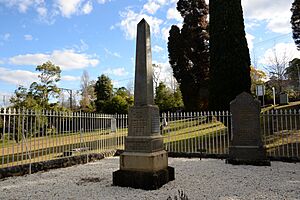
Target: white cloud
(130, 19)
(22, 5)
(165, 33)
(87, 8)
(157, 49)
(42, 11)
(17, 77)
(117, 71)
(173, 13)
(276, 13)
(164, 72)
(151, 7)
(68, 8)
(115, 54)
(70, 78)
(250, 39)
(66, 59)
(286, 51)
(75, 7)
(251, 25)
(103, 1)
(28, 37)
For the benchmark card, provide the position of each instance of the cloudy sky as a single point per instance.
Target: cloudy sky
(99, 36)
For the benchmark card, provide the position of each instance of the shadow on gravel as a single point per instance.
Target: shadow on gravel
(84, 181)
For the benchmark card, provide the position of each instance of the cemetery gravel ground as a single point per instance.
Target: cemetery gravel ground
(205, 179)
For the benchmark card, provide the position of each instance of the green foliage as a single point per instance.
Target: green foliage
(104, 92)
(229, 54)
(25, 102)
(109, 102)
(258, 77)
(39, 93)
(117, 104)
(46, 88)
(166, 99)
(292, 73)
(295, 21)
(189, 53)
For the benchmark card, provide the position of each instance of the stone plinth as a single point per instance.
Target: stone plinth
(144, 163)
(246, 146)
(143, 180)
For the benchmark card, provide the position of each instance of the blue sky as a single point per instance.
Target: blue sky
(99, 36)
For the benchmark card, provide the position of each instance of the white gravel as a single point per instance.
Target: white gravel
(205, 179)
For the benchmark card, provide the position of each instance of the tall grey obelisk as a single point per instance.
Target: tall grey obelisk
(144, 163)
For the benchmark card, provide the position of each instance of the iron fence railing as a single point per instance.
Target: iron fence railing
(190, 132)
(28, 136)
(281, 132)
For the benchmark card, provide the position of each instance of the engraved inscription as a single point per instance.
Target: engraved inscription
(137, 146)
(246, 123)
(155, 122)
(138, 127)
(138, 122)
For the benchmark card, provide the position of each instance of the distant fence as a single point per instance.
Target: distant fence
(35, 136)
(5, 100)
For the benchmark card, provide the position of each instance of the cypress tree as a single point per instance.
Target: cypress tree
(229, 53)
(295, 21)
(189, 55)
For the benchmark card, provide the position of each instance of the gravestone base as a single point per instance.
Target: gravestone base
(143, 180)
(149, 162)
(248, 155)
(148, 171)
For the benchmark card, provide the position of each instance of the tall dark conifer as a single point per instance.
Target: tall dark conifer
(229, 53)
(189, 55)
(295, 21)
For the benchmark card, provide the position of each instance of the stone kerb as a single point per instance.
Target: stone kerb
(246, 146)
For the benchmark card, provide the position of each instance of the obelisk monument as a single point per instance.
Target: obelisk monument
(144, 163)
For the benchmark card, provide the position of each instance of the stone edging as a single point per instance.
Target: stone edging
(21, 170)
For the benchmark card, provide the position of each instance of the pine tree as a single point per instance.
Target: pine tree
(189, 54)
(229, 54)
(295, 21)
(104, 92)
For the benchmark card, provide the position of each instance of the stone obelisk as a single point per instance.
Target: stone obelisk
(144, 163)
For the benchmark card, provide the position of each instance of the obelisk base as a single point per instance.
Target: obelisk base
(248, 155)
(148, 171)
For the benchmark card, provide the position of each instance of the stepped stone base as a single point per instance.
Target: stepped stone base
(147, 162)
(248, 155)
(143, 180)
(148, 171)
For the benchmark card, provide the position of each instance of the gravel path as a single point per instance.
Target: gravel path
(205, 179)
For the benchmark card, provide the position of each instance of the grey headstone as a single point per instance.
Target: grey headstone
(284, 99)
(113, 125)
(246, 146)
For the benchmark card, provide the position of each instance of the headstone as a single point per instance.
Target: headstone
(144, 163)
(113, 125)
(284, 99)
(246, 146)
